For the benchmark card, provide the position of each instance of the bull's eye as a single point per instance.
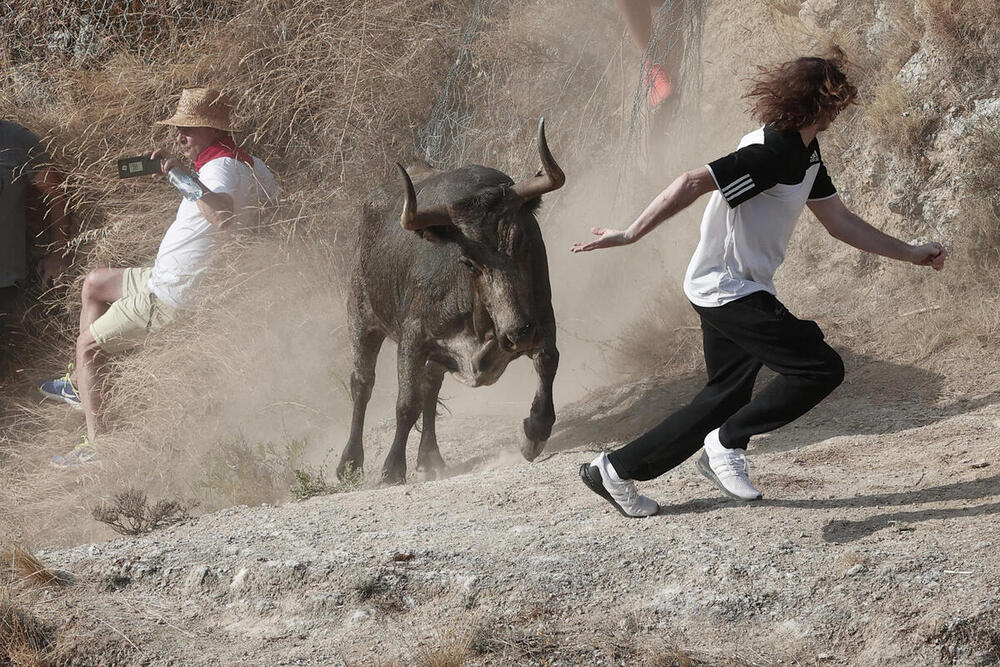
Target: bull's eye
(470, 265)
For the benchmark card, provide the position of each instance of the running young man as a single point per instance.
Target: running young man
(758, 193)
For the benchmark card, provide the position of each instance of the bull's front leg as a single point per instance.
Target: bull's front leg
(538, 425)
(364, 346)
(410, 361)
(429, 461)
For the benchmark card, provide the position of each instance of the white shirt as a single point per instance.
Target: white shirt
(749, 220)
(188, 247)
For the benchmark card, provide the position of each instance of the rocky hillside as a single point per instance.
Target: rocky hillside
(874, 544)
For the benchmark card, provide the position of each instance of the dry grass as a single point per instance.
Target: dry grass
(21, 568)
(24, 639)
(452, 647)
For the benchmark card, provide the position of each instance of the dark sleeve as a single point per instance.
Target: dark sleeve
(27, 153)
(745, 173)
(823, 187)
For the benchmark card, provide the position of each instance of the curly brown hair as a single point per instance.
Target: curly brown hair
(801, 92)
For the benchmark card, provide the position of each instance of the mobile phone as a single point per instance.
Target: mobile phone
(129, 167)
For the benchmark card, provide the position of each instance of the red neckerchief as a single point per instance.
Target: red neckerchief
(224, 147)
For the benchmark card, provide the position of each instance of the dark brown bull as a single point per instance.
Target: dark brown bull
(455, 272)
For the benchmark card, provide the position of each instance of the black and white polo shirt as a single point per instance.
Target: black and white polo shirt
(763, 187)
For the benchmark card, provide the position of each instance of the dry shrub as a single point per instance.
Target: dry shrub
(894, 118)
(24, 640)
(131, 514)
(968, 32)
(240, 472)
(23, 569)
(666, 335)
(452, 647)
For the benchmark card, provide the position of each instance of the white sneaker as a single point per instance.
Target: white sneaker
(601, 478)
(726, 468)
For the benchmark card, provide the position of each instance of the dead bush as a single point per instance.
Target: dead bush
(131, 514)
(22, 567)
(24, 640)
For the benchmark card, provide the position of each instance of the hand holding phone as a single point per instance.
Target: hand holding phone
(129, 167)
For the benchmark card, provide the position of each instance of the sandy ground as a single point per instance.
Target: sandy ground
(875, 543)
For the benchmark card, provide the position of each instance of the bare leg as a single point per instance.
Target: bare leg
(365, 348)
(429, 459)
(638, 17)
(89, 364)
(101, 288)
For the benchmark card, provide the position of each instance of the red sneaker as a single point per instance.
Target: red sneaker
(658, 85)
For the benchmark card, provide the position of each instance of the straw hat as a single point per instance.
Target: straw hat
(200, 107)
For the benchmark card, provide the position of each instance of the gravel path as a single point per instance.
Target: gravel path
(875, 543)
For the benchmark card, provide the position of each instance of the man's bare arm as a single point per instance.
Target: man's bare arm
(684, 191)
(217, 207)
(844, 225)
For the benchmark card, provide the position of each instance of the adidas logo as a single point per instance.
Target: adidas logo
(814, 157)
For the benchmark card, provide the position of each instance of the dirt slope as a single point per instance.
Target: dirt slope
(875, 544)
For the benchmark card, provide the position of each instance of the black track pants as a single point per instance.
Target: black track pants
(739, 338)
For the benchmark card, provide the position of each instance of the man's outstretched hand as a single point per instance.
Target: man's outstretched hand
(606, 238)
(930, 254)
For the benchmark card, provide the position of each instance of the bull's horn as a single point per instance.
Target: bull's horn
(412, 219)
(550, 177)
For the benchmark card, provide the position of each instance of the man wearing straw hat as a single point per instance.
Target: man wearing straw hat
(122, 305)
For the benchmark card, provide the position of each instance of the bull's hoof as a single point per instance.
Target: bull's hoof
(430, 466)
(393, 477)
(530, 449)
(535, 436)
(430, 473)
(426, 474)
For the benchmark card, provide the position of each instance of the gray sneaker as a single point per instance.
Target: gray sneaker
(81, 455)
(727, 469)
(622, 494)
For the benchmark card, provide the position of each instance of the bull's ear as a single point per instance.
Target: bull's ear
(413, 219)
(550, 177)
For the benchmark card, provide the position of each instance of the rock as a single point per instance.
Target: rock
(196, 577)
(239, 580)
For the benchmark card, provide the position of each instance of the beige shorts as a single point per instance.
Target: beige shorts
(133, 316)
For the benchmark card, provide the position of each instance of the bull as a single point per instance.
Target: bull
(455, 272)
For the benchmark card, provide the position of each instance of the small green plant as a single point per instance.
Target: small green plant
(131, 514)
(240, 472)
(311, 481)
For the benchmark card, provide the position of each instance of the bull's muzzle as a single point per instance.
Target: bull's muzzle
(515, 340)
